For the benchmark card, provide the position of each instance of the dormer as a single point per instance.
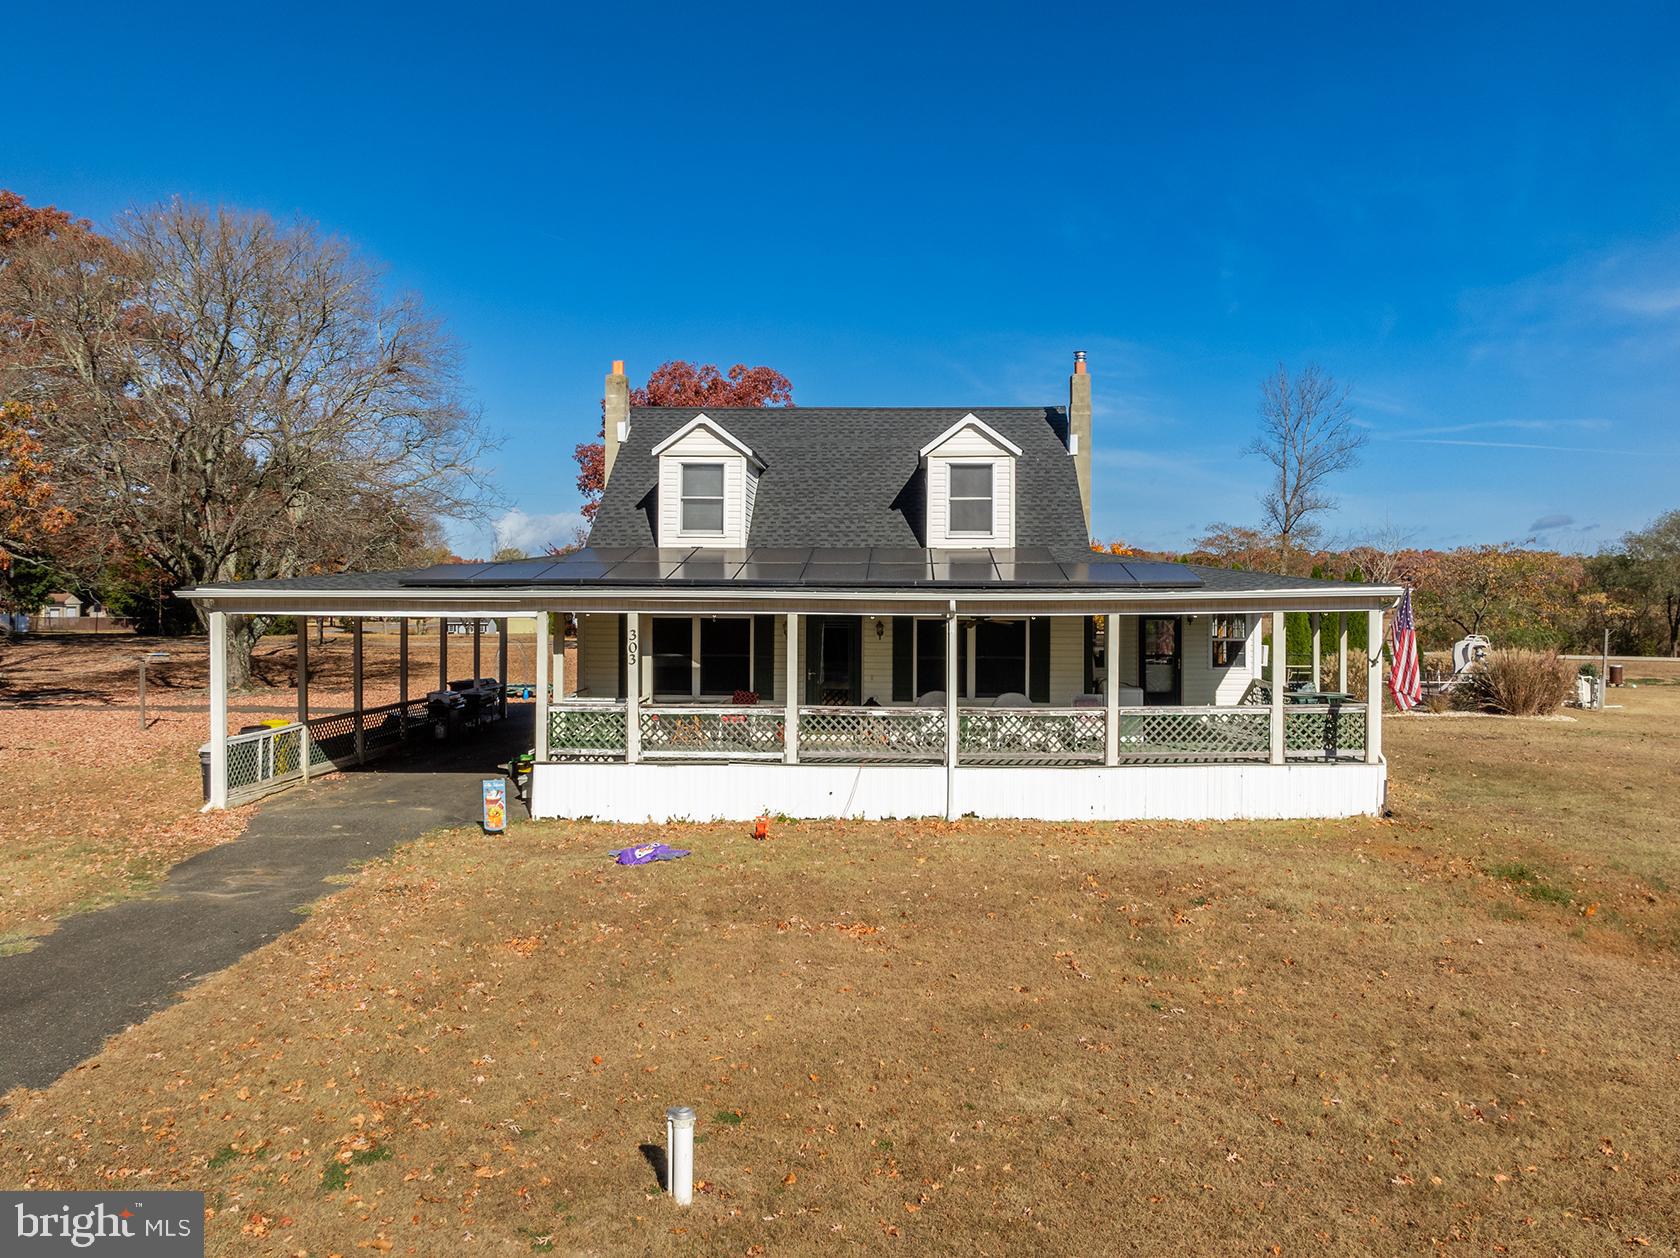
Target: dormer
(708, 480)
(970, 470)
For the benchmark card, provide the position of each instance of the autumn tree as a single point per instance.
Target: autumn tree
(1307, 434)
(30, 514)
(1654, 562)
(684, 384)
(237, 397)
(1514, 596)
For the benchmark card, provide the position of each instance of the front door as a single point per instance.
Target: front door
(1161, 659)
(834, 660)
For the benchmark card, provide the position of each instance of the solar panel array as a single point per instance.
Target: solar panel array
(888, 567)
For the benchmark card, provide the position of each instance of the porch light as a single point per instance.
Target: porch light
(880, 629)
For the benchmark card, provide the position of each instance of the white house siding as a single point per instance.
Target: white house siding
(1205, 684)
(702, 446)
(597, 644)
(969, 445)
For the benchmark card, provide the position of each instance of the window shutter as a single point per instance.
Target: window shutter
(962, 659)
(904, 659)
(623, 647)
(1089, 683)
(764, 656)
(857, 659)
(1038, 659)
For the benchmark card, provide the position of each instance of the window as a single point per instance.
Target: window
(725, 655)
(1000, 658)
(970, 498)
(673, 646)
(930, 657)
(702, 497)
(1230, 640)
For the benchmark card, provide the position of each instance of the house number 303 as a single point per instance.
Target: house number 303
(631, 647)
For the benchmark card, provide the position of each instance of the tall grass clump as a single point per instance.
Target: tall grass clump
(1519, 683)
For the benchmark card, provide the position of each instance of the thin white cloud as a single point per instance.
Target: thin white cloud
(1527, 445)
(1517, 425)
(534, 534)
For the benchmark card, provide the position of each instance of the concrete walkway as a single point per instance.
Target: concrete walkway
(100, 972)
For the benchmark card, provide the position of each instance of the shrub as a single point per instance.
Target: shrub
(1519, 683)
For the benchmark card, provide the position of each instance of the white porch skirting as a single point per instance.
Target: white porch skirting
(742, 791)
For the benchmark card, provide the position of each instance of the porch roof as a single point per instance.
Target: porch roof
(638, 577)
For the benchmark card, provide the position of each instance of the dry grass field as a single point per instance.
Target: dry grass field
(1456, 1027)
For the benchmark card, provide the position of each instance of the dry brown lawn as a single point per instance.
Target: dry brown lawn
(1456, 1027)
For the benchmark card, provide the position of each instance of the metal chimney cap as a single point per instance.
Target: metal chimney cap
(1078, 355)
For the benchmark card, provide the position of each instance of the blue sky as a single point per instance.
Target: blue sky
(1471, 217)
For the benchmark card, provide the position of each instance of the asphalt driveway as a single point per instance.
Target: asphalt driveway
(100, 972)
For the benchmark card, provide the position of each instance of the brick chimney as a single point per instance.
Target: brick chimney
(1079, 430)
(616, 415)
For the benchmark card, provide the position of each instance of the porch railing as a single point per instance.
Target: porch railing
(869, 735)
(1324, 732)
(264, 761)
(594, 729)
(731, 733)
(1198, 735)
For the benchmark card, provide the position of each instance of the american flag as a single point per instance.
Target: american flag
(1405, 683)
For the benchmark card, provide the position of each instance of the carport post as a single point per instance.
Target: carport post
(632, 687)
(501, 663)
(356, 686)
(218, 710)
(541, 696)
(1374, 689)
(303, 670)
(443, 653)
(402, 678)
(1317, 620)
(1341, 653)
(478, 625)
(1280, 677)
(1111, 690)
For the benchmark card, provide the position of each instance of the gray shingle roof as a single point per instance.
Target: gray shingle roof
(848, 476)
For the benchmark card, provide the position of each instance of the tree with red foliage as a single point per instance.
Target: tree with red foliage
(684, 384)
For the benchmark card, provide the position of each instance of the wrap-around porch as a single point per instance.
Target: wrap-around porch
(953, 690)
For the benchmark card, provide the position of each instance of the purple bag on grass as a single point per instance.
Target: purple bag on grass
(647, 853)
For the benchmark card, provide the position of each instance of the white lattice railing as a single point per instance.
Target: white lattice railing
(1194, 735)
(263, 761)
(583, 729)
(739, 733)
(862, 735)
(1324, 731)
(1030, 735)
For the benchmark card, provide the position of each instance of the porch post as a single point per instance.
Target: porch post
(790, 700)
(501, 663)
(1341, 653)
(557, 660)
(303, 670)
(1373, 689)
(218, 710)
(541, 708)
(356, 686)
(632, 687)
(951, 715)
(1315, 620)
(1111, 690)
(1280, 675)
(443, 653)
(478, 626)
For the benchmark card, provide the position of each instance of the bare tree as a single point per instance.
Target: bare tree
(236, 398)
(1307, 434)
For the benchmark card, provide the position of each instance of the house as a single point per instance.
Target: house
(61, 606)
(896, 612)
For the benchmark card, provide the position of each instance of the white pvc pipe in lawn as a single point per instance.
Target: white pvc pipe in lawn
(679, 1153)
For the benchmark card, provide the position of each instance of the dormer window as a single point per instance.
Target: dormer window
(708, 481)
(702, 498)
(970, 470)
(971, 499)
